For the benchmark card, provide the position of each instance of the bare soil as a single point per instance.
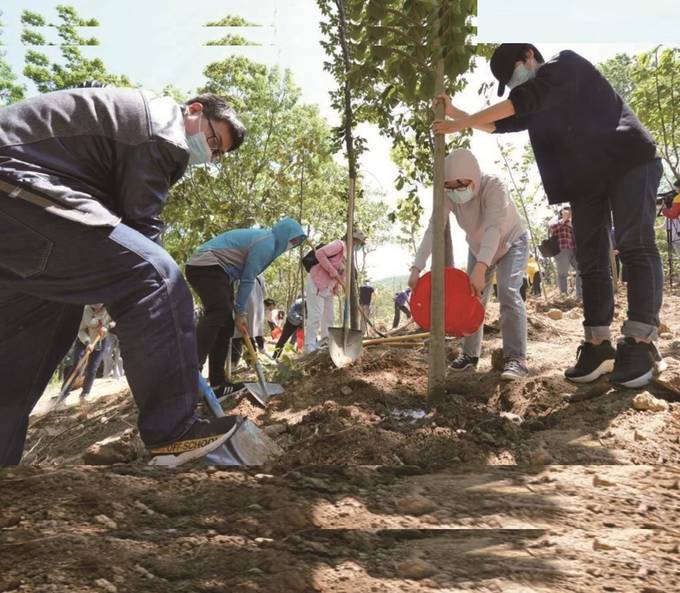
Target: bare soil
(534, 486)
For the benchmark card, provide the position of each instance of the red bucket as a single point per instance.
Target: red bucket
(463, 313)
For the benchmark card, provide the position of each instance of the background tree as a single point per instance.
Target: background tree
(526, 189)
(650, 84)
(405, 52)
(285, 167)
(407, 216)
(231, 20)
(10, 90)
(232, 39)
(74, 68)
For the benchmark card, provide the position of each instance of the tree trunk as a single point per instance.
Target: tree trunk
(436, 388)
(351, 160)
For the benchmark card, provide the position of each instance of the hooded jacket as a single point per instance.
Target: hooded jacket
(490, 219)
(245, 253)
(97, 156)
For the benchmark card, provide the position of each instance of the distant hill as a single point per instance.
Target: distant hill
(393, 283)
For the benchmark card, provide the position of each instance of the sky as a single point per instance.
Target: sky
(159, 42)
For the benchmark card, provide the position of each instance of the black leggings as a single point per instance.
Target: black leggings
(216, 326)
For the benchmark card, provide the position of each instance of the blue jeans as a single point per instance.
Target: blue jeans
(564, 260)
(510, 273)
(91, 368)
(50, 268)
(632, 204)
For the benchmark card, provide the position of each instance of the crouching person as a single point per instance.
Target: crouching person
(497, 240)
(84, 176)
(238, 255)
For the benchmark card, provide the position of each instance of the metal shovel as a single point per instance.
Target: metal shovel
(260, 391)
(249, 445)
(344, 344)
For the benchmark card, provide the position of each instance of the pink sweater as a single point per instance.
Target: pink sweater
(331, 264)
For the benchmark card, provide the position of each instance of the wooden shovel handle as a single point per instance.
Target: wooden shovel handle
(410, 337)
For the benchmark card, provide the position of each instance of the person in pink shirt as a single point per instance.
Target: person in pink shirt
(323, 282)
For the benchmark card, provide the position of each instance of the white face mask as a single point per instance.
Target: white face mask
(199, 150)
(521, 75)
(460, 196)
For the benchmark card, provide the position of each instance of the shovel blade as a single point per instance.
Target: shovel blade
(249, 445)
(343, 352)
(261, 396)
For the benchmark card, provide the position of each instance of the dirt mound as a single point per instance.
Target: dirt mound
(376, 411)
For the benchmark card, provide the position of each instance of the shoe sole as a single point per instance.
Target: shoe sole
(511, 376)
(605, 367)
(182, 458)
(465, 368)
(660, 366)
(640, 381)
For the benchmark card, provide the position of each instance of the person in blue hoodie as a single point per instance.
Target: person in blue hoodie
(238, 255)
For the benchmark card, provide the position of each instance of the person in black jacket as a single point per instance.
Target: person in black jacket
(294, 321)
(593, 152)
(84, 176)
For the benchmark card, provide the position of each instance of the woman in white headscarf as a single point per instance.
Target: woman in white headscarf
(497, 241)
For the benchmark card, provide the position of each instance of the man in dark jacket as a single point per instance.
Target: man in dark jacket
(593, 152)
(401, 300)
(84, 175)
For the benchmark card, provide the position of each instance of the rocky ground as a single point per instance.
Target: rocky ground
(533, 486)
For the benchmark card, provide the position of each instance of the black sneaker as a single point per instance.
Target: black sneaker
(203, 437)
(514, 369)
(591, 362)
(635, 363)
(464, 361)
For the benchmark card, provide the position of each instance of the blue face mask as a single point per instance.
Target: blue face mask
(521, 75)
(460, 196)
(199, 151)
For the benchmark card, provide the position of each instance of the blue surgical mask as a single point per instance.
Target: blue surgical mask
(460, 196)
(521, 75)
(199, 150)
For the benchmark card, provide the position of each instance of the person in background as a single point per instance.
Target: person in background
(238, 255)
(293, 322)
(672, 216)
(401, 306)
(93, 329)
(270, 312)
(323, 283)
(566, 258)
(366, 292)
(534, 276)
(113, 363)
